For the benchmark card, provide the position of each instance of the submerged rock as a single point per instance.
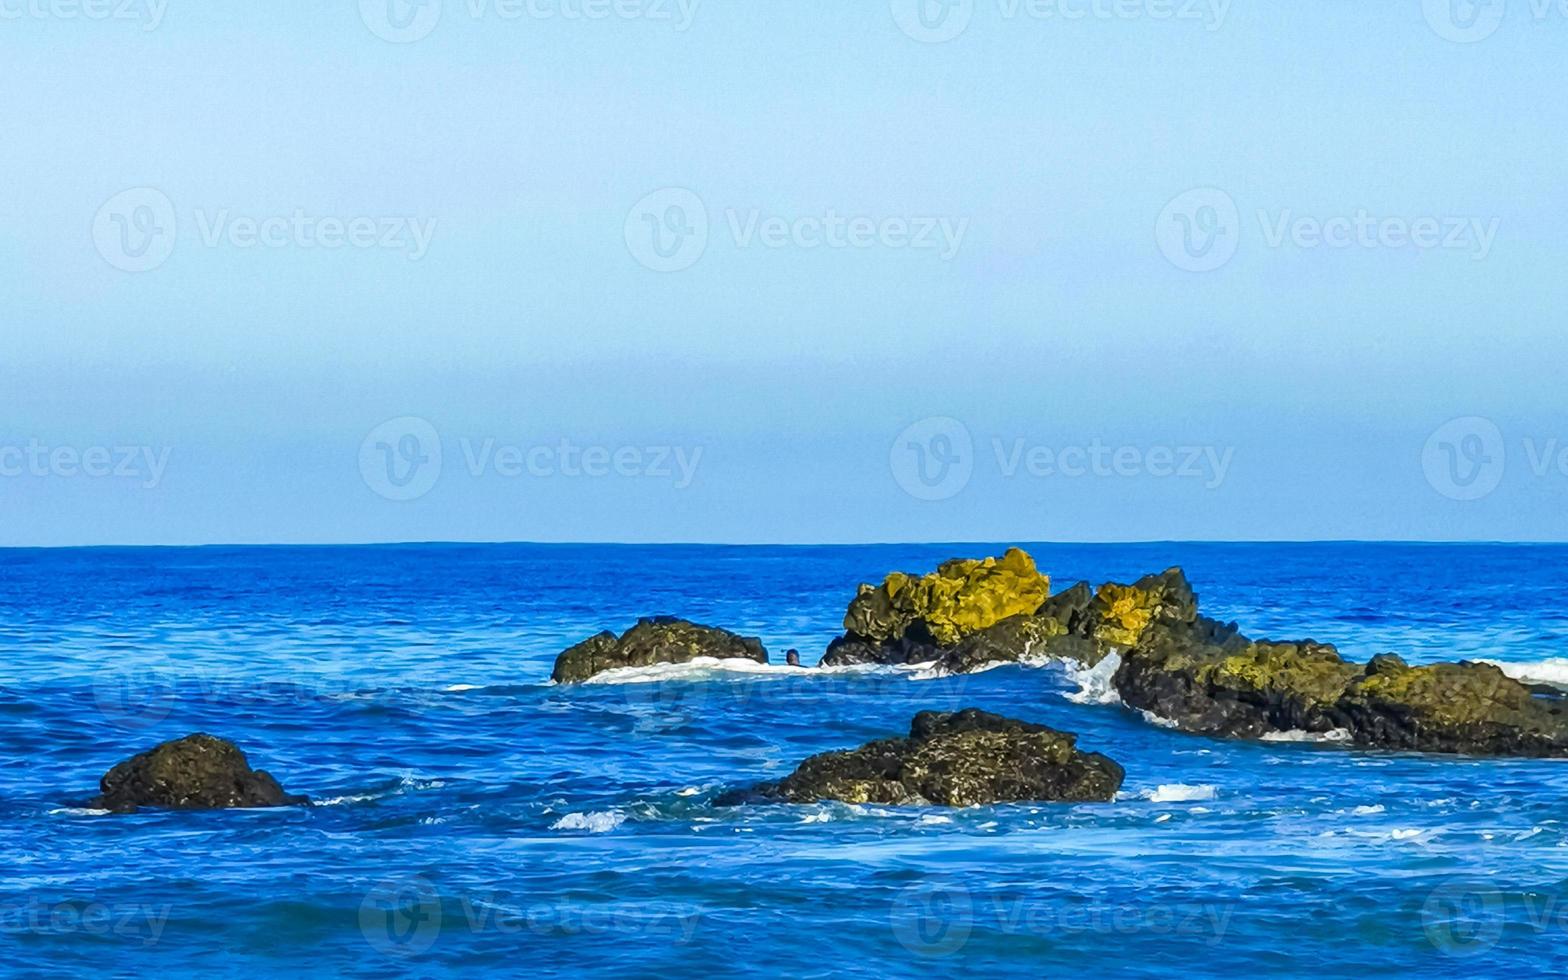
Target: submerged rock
(657, 640)
(967, 758)
(197, 772)
(1207, 678)
(912, 619)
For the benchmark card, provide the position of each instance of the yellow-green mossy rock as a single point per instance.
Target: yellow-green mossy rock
(1122, 614)
(961, 597)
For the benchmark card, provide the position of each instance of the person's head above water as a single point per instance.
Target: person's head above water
(792, 658)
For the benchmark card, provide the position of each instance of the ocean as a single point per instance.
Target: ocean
(469, 815)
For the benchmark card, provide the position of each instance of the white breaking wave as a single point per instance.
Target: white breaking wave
(701, 668)
(340, 800)
(1178, 793)
(1553, 670)
(77, 811)
(1094, 683)
(594, 823)
(1297, 735)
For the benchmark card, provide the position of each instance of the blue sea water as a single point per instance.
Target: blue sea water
(471, 816)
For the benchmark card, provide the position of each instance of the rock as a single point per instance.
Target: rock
(961, 597)
(915, 646)
(916, 619)
(1120, 614)
(1207, 678)
(967, 758)
(657, 640)
(1080, 624)
(1018, 638)
(197, 772)
(1468, 708)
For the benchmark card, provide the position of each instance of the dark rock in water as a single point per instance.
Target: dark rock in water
(1019, 638)
(967, 758)
(1206, 677)
(1470, 708)
(197, 772)
(657, 640)
(915, 646)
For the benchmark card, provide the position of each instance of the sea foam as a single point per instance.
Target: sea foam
(595, 823)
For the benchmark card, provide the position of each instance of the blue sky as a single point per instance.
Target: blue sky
(782, 272)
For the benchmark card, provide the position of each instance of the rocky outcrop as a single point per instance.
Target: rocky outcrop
(1206, 677)
(967, 758)
(1080, 624)
(910, 618)
(658, 640)
(197, 772)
